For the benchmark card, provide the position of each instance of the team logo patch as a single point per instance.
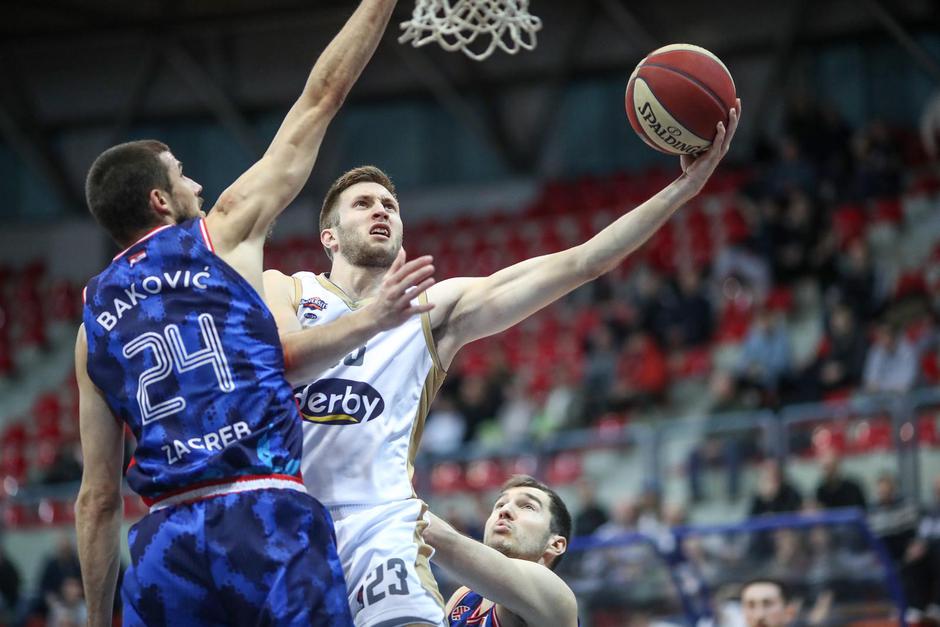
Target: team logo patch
(458, 612)
(311, 306)
(339, 402)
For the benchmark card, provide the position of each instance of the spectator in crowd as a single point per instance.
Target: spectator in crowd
(792, 171)
(856, 280)
(67, 467)
(477, 402)
(445, 427)
(515, 414)
(836, 490)
(618, 563)
(892, 519)
(59, 566)
(767, 603)
(600, 370)
(686, 320)
(930, 127)
(560, 403)
(774, 495)
(891, 365)
(877, 163)
(624, 517)
(841, 359)
(642, 373)
(67, 609)
(922, 559)
(765, 355)
(592, 514)
(790, 234)
(697, 324)
(790, 560)
(746, 268)
(10, 582)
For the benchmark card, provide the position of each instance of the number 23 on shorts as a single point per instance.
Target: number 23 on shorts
(388, 579)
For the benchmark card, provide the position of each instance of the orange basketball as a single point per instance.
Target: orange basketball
(676, 96)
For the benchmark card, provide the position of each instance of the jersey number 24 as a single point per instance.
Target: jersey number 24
(169, 353)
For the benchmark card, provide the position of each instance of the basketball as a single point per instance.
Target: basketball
(676, 96)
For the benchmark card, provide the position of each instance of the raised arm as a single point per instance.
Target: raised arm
(308, 352)
(527, 589)
(471, 308)
(247, 208)
(99, 507)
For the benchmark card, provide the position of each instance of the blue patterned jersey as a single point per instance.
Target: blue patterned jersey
(187, 354)
(466, 612)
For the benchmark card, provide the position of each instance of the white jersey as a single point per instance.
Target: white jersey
(363, 417)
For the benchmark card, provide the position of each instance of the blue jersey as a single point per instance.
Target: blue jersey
(466, 612)
(188, 355)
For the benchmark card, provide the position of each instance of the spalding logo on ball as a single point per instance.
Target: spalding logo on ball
(676, 96)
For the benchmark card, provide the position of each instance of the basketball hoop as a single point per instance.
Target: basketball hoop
(459, 24)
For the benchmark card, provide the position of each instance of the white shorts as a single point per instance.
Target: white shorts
(386, 563)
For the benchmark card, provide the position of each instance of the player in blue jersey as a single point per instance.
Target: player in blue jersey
(508, 579)
(178, 345)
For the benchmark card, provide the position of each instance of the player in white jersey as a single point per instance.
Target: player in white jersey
(364, 416)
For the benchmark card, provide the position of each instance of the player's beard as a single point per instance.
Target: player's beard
(510, 546)
(362, 253)
(186, 211)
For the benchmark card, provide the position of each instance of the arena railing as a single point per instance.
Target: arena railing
(666, 579)
(656, 445)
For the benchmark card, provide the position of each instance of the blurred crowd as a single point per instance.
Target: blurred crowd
(809, 301)
(57, 601)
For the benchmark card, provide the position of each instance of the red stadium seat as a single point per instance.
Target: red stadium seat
(564, 468)
(848, 222)
(485, 474)
(15, 434)
(734, 226)
(927, 430)
(447, 477)
(829, 437)
(888, 210)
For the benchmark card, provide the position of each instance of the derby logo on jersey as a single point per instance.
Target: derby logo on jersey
(311, 306)
(458, 612)
(339, 402)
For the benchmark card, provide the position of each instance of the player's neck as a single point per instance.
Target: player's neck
(357, 282)
(140, 234)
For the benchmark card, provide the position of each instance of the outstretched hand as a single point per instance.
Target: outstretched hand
(402, 284)
(698, 169)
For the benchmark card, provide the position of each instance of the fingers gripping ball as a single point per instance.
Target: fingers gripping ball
(676, 96)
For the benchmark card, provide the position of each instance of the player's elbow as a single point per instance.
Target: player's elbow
(95, 503)
(331, 99)
(588, 267)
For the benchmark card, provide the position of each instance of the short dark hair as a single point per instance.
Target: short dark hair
(781, 586)
(119, 183)
(362, 174)
(561, 518)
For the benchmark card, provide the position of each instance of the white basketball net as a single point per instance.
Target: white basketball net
(458, 24)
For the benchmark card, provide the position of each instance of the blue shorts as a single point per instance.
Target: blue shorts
(262, 557)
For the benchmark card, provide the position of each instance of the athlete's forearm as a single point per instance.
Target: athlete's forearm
(344, 58)
(475, 565)
(98, 527)
(309, 352)
(512, 583)
(606, 250)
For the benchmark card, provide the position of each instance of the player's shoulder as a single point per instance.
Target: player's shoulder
(275, 277)
(563, 603)
(285, 287)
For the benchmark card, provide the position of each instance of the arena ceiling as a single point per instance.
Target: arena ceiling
(103, 66)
